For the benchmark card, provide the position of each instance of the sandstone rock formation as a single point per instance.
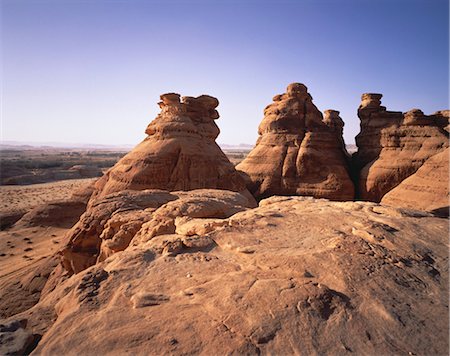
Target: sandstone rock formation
(427, 189)
(298, 152)
(392, 145)
(362, 279)
(63, 213)
(112, 222)
(179, 153)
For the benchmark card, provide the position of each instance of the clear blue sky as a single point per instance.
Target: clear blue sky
(91, 71)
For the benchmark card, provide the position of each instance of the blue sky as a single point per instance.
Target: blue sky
(91, 71)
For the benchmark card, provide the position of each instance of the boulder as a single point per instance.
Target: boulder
(83, 240)
(299, 151)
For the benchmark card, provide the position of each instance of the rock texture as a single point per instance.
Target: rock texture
(62, 213)
(179, 153)
(427, 189)
(298, 152)
(15, 339)
(112, 222)
(393, 145)
(361, 279)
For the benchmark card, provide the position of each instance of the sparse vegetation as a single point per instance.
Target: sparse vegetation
(19, 167)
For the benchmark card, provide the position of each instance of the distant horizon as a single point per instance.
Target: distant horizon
(92, 71)
(37, 144)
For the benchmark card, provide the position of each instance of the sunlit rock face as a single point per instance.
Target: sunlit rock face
(393, 145)
(296, 275)
(179, 153)
(427, 189)
(112, 223)
(299, 151)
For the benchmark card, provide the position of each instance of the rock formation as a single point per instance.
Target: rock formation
(298, 152)
(294, 276)
(393, 145)
(62, 213)
(179, 153)
(427, 189)
(110, 223)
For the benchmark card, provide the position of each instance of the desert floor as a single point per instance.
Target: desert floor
(26, 197)
(21, 247)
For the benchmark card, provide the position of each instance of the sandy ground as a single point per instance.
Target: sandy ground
(20, 248)
(26, 197)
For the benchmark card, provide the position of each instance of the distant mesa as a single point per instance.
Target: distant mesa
(299, 151)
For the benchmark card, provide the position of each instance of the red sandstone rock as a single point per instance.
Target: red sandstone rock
(427, 189)
(179, 153)
(298, 152)
(111, 223)
(393, 145)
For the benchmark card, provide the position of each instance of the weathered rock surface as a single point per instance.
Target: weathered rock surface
(25, 290)
(15, 339)
(427, 189)
(62, 213)
(298, 152)
(112, 222)
(361, 279)
(179, 153)
(393, 145)
(9, 217)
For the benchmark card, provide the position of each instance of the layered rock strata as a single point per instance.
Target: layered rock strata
(299, 151)
(393, 145)
(179, 153)
(427, 189)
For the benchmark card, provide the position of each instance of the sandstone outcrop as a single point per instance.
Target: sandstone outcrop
(62, 213)
(393, 145)
(112, 222)
(427, 189)
(299, 151)
(179, 153)
(361, 279)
